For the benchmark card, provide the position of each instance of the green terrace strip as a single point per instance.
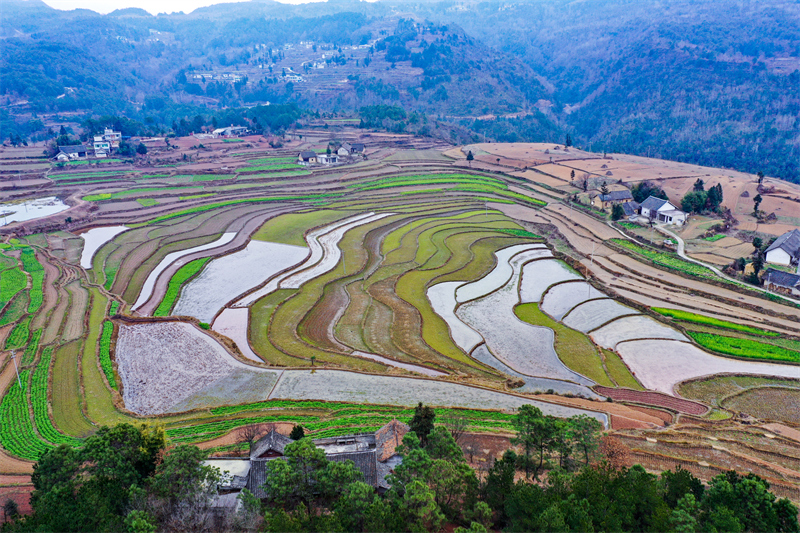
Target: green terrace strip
(271, 160)
(519, 233)
(275, 174)
(32, 348)
(17, 434)
(134, 192)
(147, 202)
(201, 431)
(12, 281)
(715, 238)
(209, 207)
(279, 166)
(212, 177)
(16, 309)
(185, 273)
(114, 308)
(685, 316)
(196, 196)
(39, 400)
(105, 353)
(88, 175)
(748, 348)
(667, 260)
(430, 179)
(33, 267)
(19, 335)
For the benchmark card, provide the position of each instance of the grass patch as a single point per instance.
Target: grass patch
(261, 314)
(16, 310)
(147, 202)
(573, 347)
(19, 335)
(715, 238)
(291, 227)
(685, 316)
(184, 274)
(748, 348)
(12, 281)
(212, 177)
(66, 400)
(668, 260)
(619, 372)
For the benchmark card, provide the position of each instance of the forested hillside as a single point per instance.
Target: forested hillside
(684, 80)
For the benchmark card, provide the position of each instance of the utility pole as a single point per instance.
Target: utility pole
(14, 358)
(591, 264)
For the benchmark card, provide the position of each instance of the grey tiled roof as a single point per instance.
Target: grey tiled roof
(616, 196)
(307, 154)
(366, 461)
(73, 149)
(271, 441)
(630, 208)
(789, 242)
(257, 477)
(652, 203)
(782, 279)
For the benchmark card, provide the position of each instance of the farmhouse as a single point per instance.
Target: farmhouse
(662, 211)
(102, 146)
(374, 454)
(307, 157)
(783, 282)
(786, 249)
(614, 197)
(631, 209)
(230, 131)
(72, 152)
(327, 159)
(345, 149)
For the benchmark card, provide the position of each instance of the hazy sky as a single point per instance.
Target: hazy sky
(153, 6)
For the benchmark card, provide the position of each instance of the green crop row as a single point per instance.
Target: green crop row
(12, 281)
(279, 166)
(271, 160)
(217, 205)
(114, 308)
(32, 348)
(432, 180)
(667, 260)
(186, 272)
(85, 175)
(147, 202)
(212, 177)
(16, 309)
(105, 353)
(19, 335)
(196, 196)
(36, 293)
(227, 425)
(39, 401)
(751, 349)
(17, 434)
(133, 192)
(715, 238)
(110, 272)
(694, 318)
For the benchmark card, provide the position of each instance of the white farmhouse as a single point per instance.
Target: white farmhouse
(662, 210)
(786, 249)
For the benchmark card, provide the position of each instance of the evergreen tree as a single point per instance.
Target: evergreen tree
(617, 212)
(422, 422)
(297, 433)
(756, 203)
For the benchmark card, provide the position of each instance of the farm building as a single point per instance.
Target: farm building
(72, 152)
(231, 131)
(783, 282)
(307, 157)
(613, 197)
(345, 149)
(374, 454)
(327, 159)
(786, 249)
(662, 210)
(631, 209)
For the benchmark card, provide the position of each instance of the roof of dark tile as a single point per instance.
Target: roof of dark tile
(783, 279)
(653, 203)
(307, 154)
(630, 208)
(271, 441)
(366, 461)
(616, 196)
(789, 241)
(257, 477)
(73, 148)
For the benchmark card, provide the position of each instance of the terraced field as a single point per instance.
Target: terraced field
(336, 297)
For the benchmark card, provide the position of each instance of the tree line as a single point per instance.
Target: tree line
(128, 478)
